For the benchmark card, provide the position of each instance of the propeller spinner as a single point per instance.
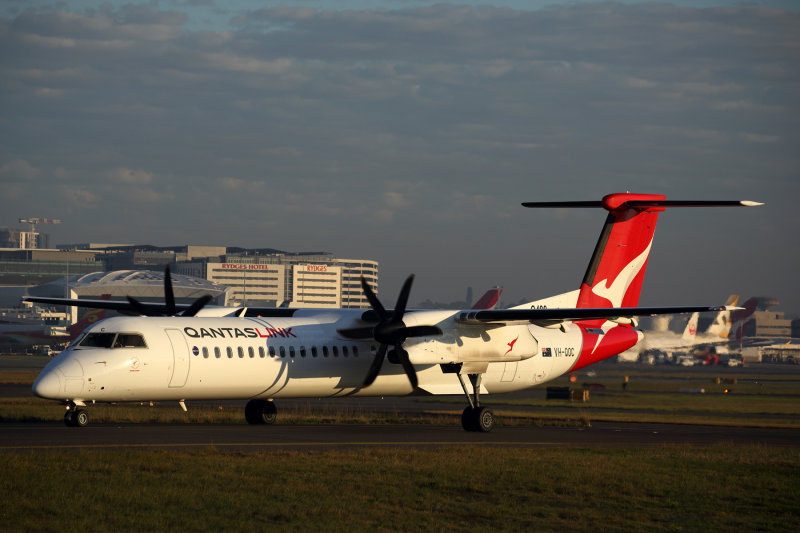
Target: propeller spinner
(390, 331)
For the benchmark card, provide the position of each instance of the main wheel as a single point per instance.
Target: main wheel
(477, 419)
(69, 418)
(484, 419)
(260, 412)
(252, 412)
(468, 421)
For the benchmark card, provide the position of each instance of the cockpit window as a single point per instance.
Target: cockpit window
(129, 340)
(98, 340)
(112, 340)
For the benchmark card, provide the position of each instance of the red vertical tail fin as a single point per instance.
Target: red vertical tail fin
(489, 299)
(616, 272)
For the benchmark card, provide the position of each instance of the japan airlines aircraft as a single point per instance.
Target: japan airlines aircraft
(189, 352)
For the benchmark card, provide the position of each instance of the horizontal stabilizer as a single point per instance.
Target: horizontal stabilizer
(643, 204)
(581, 313)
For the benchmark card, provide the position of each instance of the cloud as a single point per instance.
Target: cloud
(755, 138)
(337, 128)
(18, 170)
(128, 176)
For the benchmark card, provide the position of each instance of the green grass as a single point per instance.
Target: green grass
(674, 488)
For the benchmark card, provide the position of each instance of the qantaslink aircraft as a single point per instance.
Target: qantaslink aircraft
(193, 352)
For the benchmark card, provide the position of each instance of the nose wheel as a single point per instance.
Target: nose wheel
(75, 417)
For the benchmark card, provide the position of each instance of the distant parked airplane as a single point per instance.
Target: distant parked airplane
(41, 335)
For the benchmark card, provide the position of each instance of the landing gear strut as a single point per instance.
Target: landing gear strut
(75, 417)
(475, 417)
(260, 412)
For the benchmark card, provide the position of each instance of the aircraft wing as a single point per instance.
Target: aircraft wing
(155, 307)
(624, 315)
(114, 305)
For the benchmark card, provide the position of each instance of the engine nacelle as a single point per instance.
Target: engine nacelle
(474, 344)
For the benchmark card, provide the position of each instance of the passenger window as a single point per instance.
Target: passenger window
(229, 351)
(313, 351)
(261, 352)
(302, 351)
(291, 351)
(272, 351)
(240, 351)
(355, 351)
(216, 352)
(205, 352)
(336, 351)
(282, 351)
(344, 351)
(325, 351)
(250, 352)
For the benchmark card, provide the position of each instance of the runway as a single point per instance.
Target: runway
(228, 437)
(284, 436)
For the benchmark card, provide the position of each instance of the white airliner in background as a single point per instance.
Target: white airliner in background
(192, 352)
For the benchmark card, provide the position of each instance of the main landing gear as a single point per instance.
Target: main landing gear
(75, 417)
(475, 417)
(260, 412)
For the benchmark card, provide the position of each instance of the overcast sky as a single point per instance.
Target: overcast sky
(409, 132)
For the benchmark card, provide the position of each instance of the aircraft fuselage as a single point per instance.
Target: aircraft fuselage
(176, 358)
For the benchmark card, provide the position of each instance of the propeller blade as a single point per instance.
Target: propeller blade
(375, 367)
(169, 295)
(141, 309)
(373, 300)
(407, 366)
(402, 299)
(197, 305)
(421, 331)
(357, 333)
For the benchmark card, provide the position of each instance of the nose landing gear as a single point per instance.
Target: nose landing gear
(75, 417)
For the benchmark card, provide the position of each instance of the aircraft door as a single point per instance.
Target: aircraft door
(509, 371)
(180, 358)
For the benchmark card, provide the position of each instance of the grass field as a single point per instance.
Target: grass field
(676, 488)
(670, 488)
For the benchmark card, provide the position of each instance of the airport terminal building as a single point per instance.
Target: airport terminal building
(254, 277)
(277, 278)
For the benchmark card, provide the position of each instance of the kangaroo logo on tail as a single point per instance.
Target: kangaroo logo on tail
(615, 291)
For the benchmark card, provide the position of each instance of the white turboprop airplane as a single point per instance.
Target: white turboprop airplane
(181, 353)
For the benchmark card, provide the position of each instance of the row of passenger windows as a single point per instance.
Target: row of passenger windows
(282, 351)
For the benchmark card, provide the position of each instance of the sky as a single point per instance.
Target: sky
(409, 132)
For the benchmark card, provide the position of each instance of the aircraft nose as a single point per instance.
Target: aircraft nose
(48, 385)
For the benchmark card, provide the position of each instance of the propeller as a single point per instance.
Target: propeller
(390, 331)
(169, 308)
